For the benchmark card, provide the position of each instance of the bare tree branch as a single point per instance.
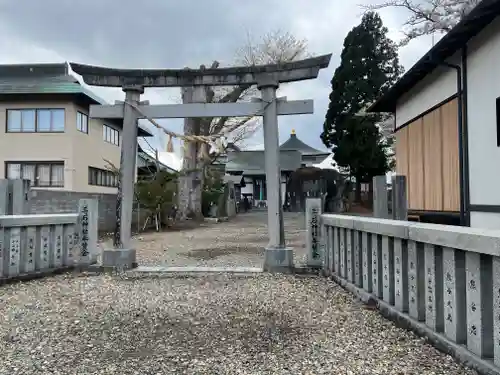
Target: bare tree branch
(427, 17)
(273, 47)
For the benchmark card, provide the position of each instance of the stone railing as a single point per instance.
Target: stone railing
(31, 245)
(443, 281)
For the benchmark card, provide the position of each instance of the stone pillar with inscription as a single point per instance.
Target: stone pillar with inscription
(87, 231)
(314, 242)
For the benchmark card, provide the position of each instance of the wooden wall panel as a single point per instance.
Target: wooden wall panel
(427, 154)
(451, 166)
(416, 164)
(433, 161)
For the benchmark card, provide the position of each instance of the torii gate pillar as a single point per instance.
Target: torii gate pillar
(278, 257)
(128, 156)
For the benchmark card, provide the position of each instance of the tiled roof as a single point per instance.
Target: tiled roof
(252, 162)
(295, 144)
(46, 79)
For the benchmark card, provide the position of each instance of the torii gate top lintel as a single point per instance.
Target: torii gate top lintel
(243, 75)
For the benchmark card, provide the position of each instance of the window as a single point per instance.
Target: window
(111, 135)
(35, 120)
(102, 177)
(82, 122)
(41, 174)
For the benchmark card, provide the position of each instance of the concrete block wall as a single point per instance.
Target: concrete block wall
(57, 201)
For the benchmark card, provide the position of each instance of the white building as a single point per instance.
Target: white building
(447, 124)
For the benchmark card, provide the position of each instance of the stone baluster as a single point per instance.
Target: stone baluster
(326, 259)
(342, 253)
(376, 250)
(13, 256)
(496, 309)
(366, 255)
(454, 295)
(358, 259)
(349, 255)
(336, 250)
(28, 249)
(433, 260)
(416, 281)
(331, 247)
(42, 257)
(401, 274)
(69, 245)
(479, 304)
(325, 236)
(57, 246)
(388, 269)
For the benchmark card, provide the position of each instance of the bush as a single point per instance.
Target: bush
(213, 189)
(159, 194)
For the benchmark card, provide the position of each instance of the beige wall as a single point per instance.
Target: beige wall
(91, 150)
(78, 150)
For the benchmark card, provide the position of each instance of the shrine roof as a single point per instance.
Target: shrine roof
(252, 162)
(294, 143)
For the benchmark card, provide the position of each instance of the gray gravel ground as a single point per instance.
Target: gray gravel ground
(239, 242)
(219, 324)
(210, 325)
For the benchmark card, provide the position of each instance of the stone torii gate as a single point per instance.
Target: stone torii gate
(267, 78)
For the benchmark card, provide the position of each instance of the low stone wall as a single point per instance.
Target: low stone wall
(442, 281)
(35, 245)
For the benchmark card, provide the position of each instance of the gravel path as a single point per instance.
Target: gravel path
(220, 324)
(239, 242)
(211, 325)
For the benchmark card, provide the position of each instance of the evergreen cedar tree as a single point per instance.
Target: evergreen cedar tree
(369, 66)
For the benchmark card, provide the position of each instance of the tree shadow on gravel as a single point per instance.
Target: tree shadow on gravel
(211, 253)
(180, 338)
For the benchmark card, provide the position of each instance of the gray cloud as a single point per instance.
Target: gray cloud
(174, 34)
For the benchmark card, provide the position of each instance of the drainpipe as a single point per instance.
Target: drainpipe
(463, 219)
(465, 135)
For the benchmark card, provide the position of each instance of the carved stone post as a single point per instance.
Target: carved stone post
(380, 204)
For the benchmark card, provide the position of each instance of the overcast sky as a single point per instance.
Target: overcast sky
(175, 34)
